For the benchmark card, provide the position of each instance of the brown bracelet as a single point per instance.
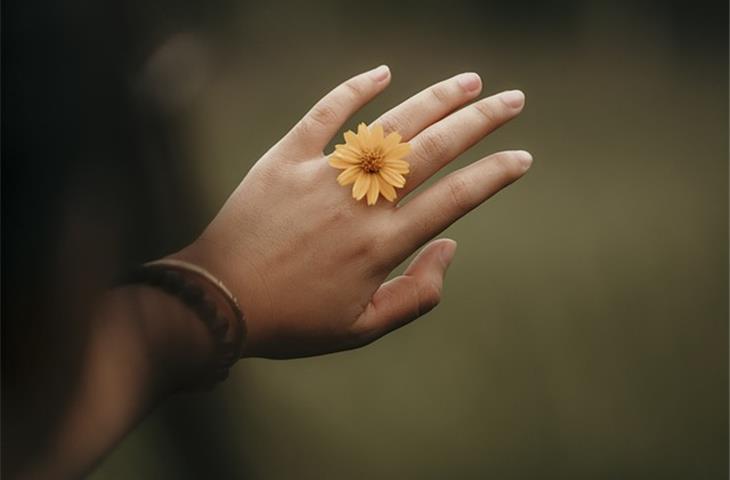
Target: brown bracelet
(228, 331)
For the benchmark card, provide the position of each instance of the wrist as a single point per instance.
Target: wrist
(229, 270)
(177, 345)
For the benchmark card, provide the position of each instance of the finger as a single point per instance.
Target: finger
(442, 142)
(315, 130)
(408, 296)
(431, 211)
(430, 105)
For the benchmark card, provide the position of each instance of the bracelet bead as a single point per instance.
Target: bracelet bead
(182, 280)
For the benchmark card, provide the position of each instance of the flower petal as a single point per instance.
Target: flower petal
(398, 152)
(391, 141)
(363, 135)
(362, 184)
(400, 166)
(338, 161)
(386, 189)
(370, 144)
(376, 134)
(347, 150)
(373, 190)
(392, 177)
(352, 139)
(349, 175)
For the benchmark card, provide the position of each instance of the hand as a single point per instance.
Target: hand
(308, 262)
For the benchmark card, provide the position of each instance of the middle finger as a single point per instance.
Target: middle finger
(443, 141)
(430, 105)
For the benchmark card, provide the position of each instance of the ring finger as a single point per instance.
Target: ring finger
(443, 141)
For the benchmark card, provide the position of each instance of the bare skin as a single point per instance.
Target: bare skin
(307, 262)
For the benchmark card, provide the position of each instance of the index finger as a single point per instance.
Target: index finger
(315, 130)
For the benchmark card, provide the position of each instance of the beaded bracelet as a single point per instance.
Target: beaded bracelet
(169, 275)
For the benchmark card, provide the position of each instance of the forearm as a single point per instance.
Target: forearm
(308, 259)
(143, 345)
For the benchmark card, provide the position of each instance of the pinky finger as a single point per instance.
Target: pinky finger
(452, 197)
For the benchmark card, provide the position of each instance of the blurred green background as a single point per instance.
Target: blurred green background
(584, 327)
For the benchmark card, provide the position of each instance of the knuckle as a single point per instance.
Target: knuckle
(487, 111)
(436, 143)
(323, 114)
(460, 193)
(360, 251)
(440, 93)
(340, 215)
(394, 122)
(353, 89)
(375, 251)
(429, 297)
(368, 250)
(425, 225)
(363, 332)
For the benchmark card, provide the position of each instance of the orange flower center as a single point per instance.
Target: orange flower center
(371, 161)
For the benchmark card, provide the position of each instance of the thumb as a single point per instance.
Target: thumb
(408, 296)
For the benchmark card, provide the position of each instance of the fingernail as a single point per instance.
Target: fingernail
(470, 82)
(380, 73)
(447, 252)
(524, 157)
(513, 98)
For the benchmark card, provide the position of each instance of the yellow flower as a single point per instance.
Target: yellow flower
(372, 161)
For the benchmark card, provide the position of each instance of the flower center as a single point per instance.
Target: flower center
(371, 161)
